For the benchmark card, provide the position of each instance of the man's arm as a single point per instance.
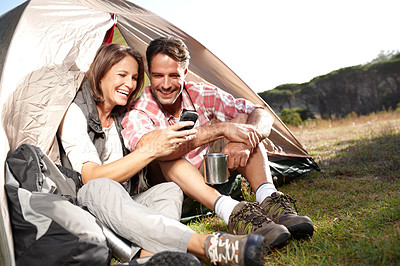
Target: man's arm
(239, 153)
(232, 131)
(262, 121)
(205, 134)
(245, 130)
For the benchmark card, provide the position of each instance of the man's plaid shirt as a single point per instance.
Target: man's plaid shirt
(209, 102)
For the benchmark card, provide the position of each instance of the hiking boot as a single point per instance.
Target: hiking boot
(277, 208)
(167, 258)
(248, 217)
(227, 249)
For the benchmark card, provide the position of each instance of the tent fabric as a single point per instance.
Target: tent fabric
(8, 22)
(47, 45)
(52, 44)
(139, 30)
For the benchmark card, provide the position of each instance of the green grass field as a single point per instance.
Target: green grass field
(354, 202)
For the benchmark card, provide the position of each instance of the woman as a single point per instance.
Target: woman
(90, 134)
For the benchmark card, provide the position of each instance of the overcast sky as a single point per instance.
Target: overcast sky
(269, 43)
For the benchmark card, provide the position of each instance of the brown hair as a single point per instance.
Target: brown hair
(106, 57)
(170, 46)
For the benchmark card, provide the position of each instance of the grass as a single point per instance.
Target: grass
(354, 202)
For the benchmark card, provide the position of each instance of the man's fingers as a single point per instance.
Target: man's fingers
(231, 164)
(182, 124)
(235, 162)
(254, 140)
(183, 135)
(186, 134)
(243, 162)
(247, 140)
(248, 136)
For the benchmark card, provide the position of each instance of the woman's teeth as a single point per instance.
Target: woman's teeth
(123, 92)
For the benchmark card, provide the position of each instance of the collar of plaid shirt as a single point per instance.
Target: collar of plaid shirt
(186, 104)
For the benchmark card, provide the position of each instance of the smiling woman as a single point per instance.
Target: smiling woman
(112, 82)
(115, 68)
(117, 85)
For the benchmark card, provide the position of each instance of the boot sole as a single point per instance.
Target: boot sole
(302, 230)
(170, 258)
(254, 250)
(279, 241)
(275, 236)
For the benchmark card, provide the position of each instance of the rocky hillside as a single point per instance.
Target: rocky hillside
(361, 89)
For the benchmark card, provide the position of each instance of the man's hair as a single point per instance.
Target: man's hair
(170, 46)
(106, 57)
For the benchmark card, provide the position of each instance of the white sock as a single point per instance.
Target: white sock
(223, 207)
(264, 191)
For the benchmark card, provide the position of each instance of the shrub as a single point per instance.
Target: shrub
(290, 117)
(352, 115)
(305, 114)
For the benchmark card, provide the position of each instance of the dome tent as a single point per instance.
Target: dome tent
(47, 45)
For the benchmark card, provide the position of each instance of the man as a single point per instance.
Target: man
(243, 124)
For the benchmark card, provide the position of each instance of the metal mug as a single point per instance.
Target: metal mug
(216, 168)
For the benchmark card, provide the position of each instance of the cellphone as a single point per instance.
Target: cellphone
(188, 116)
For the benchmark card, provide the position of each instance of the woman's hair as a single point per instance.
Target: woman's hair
(106, 57)
(170, 46)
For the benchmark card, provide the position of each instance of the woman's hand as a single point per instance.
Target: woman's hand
(163, 142)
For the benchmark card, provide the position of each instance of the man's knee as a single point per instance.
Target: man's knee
(240, 118)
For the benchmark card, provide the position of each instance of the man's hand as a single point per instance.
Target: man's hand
(238, 154)
(243, 133)
(164, 142)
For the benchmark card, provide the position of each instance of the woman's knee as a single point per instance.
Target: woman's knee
(95, 187)
(101, 183)
(173, 189)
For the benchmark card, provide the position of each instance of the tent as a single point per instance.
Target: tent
(47, 45)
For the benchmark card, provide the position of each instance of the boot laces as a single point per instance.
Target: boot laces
(231, 249)
(285, 201)
(253, 214)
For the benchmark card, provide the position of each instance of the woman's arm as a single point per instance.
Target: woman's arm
(120, 170)
(162, 143)
(84, 158)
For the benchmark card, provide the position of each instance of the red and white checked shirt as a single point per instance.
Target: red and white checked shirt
(209, 102)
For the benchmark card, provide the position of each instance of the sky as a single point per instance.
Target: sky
(268, 43)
